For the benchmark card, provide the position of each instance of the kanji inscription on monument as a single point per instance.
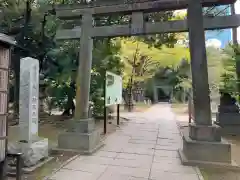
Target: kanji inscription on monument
(29, 89)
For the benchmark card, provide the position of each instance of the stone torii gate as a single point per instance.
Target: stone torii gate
(203, 144)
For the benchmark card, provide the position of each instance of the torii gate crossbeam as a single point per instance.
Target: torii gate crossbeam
(129, 6)
(210, 23)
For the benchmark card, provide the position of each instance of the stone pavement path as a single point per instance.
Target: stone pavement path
(143, 149)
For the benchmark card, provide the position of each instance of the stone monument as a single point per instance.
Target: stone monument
(228, 116)
(33, 148)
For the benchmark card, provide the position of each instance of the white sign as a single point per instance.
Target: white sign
(113, 89)
(28, 102)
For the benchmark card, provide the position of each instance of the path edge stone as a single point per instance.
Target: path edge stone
(64, 164)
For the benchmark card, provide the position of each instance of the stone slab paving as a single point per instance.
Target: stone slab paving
(144, 149)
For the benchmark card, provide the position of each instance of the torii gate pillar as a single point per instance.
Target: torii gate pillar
(203, 144)
(82, 135)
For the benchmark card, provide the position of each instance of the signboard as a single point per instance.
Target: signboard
(113, 89)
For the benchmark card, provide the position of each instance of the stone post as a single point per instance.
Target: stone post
(82, 135)
(33, 147)
(202, 146)
(28, 99)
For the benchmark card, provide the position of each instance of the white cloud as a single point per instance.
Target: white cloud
(237, 7)
(213, 43)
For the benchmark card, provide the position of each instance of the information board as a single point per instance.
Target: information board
(113, 89)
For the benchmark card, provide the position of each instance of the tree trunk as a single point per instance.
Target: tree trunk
(70, 106)
(128, 98)
(16, 61)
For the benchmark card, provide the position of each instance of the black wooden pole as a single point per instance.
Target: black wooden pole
(118, 114)
(3, 170)
(19, 166)
(105, 120)
(105, 108)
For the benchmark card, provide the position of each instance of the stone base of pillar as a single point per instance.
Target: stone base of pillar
(206, 153)
(81, 137)
(210, 133)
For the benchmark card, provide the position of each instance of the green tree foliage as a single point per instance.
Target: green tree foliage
(228, 77)
(215, 59)
(24, 21)
(143, 62)
(215, 70)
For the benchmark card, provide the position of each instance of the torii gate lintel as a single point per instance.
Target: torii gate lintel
(142, 27)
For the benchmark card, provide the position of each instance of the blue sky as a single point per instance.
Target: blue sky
(224, 36)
